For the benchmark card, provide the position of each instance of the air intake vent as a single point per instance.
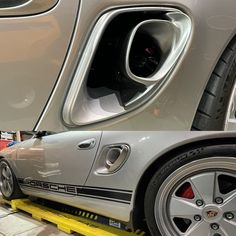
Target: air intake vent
(126, 61)
(112, 158)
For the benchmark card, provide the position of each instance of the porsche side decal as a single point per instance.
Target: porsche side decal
(116, 195)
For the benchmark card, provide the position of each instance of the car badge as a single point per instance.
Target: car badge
(212, 214)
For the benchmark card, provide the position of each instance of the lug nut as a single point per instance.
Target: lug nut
(215, 226)
(197, 217)
(229, 216)
(219, 200)
(199, 202)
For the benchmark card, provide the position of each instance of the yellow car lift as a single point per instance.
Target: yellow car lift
(66, 222)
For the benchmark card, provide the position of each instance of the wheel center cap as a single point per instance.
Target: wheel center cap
(211, 213)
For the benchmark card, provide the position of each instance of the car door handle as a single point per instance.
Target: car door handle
(87, 144)
(25, 7)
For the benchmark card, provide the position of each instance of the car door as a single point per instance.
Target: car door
(59, 159)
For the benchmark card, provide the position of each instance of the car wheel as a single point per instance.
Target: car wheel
(194, 194)
(8, 183)
(217, 108)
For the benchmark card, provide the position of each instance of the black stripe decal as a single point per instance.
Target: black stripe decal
(112, 189)
(107, 194)
(122, 196)
(21, 180)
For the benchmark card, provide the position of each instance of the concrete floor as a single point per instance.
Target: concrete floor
(20, 224)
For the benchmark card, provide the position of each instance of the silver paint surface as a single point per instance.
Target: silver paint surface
(32, 52)
(36, 70)
(57, 159)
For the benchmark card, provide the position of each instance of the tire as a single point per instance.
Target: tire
(14, 191)
(212, 110)
(174, 180)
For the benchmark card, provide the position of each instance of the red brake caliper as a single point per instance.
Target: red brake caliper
(186, 191)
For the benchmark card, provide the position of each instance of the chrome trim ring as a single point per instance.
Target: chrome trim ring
(177, 30)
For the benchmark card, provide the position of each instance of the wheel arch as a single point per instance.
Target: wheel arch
(231, 40)
(137, 215)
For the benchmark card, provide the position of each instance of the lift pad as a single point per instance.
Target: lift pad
(66, 222)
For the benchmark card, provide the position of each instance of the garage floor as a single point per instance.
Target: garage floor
(12, 223)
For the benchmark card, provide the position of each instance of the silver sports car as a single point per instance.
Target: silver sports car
(178, 183)
(117, 65)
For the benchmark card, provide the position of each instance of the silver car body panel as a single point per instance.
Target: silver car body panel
(45, 159)
(32, 51)
(40, 54)
(173, 107)
(56, 169)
